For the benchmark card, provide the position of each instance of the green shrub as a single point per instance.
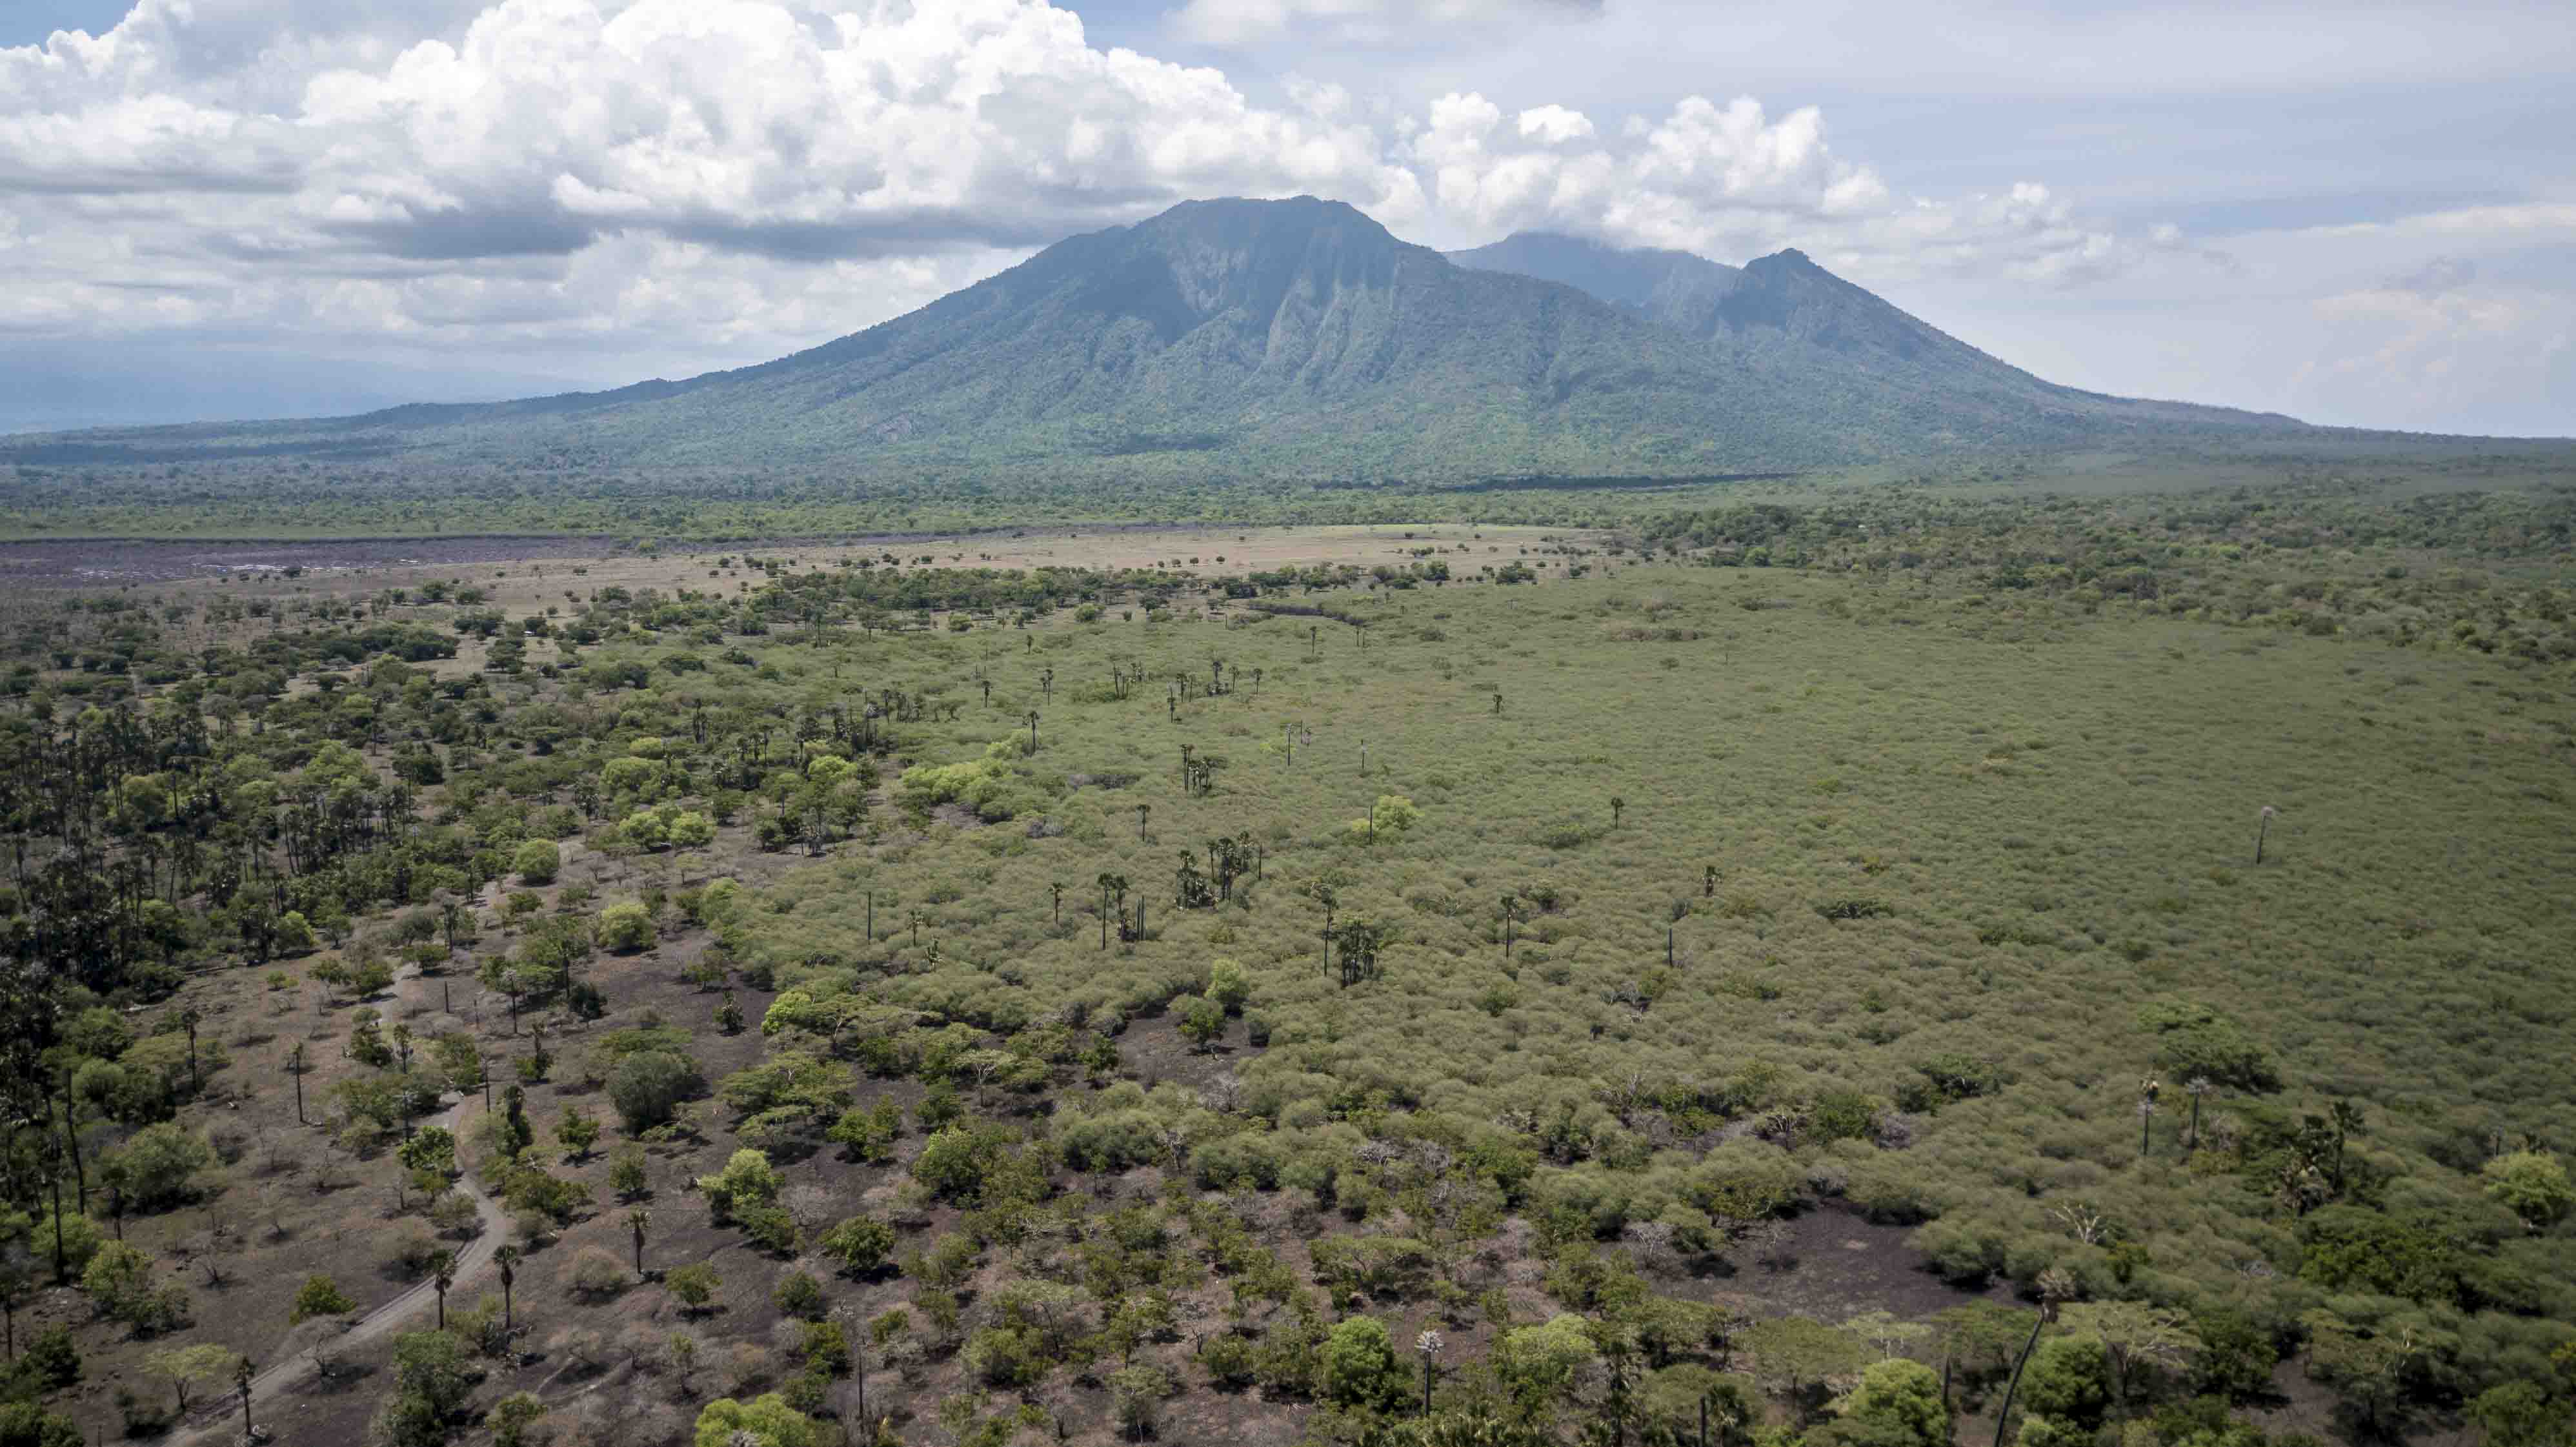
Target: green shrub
(648, 1086)
(537, 861)
(320, 1296)
(861, 1244)
(2193, 1039)
(2069, 1377)
(798, 1294)
(1898, 1403)
(1231, 1361)
(1360, 1365)
(1004, 1357)
(2532, 1185)
(159, 1165)
(626, 927)
(51, 1360)
(765, 1421)
(747, 1180)
(694, 1286)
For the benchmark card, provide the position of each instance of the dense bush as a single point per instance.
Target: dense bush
(648, 1085)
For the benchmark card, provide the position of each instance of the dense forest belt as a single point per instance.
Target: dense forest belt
(1618, 484)
(88, 562)
(1309, 610)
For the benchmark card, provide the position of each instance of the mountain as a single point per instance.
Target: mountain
(1676, 288)
(56, 386)
(1282, 338)
(1785, 302)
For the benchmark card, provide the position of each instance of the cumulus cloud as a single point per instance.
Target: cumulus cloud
(508, 149)
(1555, 125)
(749, 175)
(1733, 181)
(2435, 341)
(2435, 277)
(1370, 22)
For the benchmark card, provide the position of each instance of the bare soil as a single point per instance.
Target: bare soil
(376, 563)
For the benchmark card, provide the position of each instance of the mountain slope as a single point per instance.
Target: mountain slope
(1675, 288)
(1785, 300)
(1281, 338)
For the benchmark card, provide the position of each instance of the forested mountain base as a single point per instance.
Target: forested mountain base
(1805, 972)
(370, 496)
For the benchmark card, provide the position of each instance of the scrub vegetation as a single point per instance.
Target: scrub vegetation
(1875, 969)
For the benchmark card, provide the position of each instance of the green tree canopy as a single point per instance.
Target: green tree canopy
(1897, 1404)
(764, 1421)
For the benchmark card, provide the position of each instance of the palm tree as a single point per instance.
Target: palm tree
(443, 1276)
(2347, 1121)
(2196, 1087)
(1360, 939)
(1033, 731)
(2054, 1286)
(1141, 811)
(1616, 804)
(507, 1258)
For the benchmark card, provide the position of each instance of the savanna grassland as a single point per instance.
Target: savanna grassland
(1800, 972)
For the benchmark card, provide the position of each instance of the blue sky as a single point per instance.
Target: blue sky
(2360, 214)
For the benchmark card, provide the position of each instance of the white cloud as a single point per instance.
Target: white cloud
(1555, 125)
(1356, 22)
(673, 184)
(2434, 342)
(1732, 182)
(497, 171)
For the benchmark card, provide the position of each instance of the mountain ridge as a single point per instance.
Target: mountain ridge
(1294, 338)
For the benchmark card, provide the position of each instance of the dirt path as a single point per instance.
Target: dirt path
(215, 1420)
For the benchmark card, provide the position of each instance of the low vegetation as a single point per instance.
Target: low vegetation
(1814, 974)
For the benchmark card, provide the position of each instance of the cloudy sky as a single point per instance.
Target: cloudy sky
(2358, 214)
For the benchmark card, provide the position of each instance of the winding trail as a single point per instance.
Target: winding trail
(217, 1418)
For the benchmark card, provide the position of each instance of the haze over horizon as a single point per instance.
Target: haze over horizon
(231, 208)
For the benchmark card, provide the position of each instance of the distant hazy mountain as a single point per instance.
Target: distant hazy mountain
(1672, 287)
(1787, 302)
(1288, 338)
(55, 386)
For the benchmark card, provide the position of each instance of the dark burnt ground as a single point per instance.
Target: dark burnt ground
(1841, 1264)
